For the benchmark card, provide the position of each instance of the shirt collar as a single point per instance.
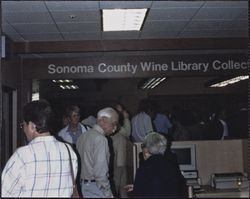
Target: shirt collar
(78, 128)
(42, 138)
(98, 128)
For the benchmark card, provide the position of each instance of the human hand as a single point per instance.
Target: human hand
(129, 187)
(125, 114)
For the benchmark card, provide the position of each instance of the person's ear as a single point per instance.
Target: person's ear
(32, 126)
(146, 154)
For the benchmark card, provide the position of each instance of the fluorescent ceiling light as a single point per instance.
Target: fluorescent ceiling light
(62, 80)
(230, 81)
(123, 19)
(69, 87)
(152, 83)
(35, 96)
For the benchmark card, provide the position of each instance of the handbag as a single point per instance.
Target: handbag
(75, 191)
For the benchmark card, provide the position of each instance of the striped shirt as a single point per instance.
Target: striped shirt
(39, 169)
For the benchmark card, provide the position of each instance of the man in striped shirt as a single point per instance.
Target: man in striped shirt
(42, 168)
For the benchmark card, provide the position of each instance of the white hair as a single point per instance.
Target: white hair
(155, 143)
(107, 112)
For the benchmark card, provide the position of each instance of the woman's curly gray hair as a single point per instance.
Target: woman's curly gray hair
(155, 143)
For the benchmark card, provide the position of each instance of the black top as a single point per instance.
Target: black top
(159, 177)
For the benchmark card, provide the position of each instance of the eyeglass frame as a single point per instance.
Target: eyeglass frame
(21, 125)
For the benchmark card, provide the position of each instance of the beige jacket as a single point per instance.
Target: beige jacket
(120, 140)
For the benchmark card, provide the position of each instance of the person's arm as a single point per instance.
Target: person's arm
(101, 162)
(147, 121)
(125, 130)
(12, 176)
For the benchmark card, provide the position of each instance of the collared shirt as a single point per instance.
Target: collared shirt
(141, 126)
(74, 135)
(39, 169)
(67, 136)
(94, 151)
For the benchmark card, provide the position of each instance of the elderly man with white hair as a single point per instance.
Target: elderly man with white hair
(94, 152)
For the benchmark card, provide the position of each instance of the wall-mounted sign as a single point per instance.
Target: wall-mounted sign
(137, 66)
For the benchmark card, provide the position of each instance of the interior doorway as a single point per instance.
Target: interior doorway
(9, 124)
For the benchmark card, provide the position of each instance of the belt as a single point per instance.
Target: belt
(87, 181)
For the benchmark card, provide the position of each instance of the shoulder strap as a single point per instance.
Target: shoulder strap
(87, 127)
(71, 166)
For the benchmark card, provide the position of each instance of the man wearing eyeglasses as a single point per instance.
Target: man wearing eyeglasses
(41, 168)
(94, 152)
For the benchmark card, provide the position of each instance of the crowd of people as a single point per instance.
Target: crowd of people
(98, 151)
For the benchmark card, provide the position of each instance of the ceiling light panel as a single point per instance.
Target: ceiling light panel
(230, 81)
(123, 19)
(152, 83)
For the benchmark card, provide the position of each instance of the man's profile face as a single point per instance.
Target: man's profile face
(109, 125)
(27, 130)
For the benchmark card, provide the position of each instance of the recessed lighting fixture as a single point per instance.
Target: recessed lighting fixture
(69, 87)
(62, 80)
(72, 16)
(152, 83)
(123, 19)
(35, 96)
(230, 81)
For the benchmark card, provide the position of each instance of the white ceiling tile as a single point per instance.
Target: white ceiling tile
(72, 5)
(125, 4)
(232, 33)
(35, 28)
(16, 37)
(121, 35)
(164, 25)
(78, 16)
(23, 6)
(183, 4)
(171, 13)
(243, 14)
(217, 25)
(28, 17)
(165, 19)
(82, 36)
(228, 4)
(43, 37)
(158, 34)
(79, 27)
(8, 29)
(218, 13)
(239, 25)
(198, 34)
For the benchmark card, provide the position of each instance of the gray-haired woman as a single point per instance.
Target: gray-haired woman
(157, 176)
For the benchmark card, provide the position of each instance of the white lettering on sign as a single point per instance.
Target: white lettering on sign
(152, 66)
(230, 65)
(103, 68)
(53, 69)
(182, 66)
(149, 66)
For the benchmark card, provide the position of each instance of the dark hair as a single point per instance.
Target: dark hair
(72, 108)
(40, 113)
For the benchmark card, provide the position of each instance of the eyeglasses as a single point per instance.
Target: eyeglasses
(21, 124)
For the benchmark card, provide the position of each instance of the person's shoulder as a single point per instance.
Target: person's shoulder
(85, 127)
(63, 130)
(23, 152)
